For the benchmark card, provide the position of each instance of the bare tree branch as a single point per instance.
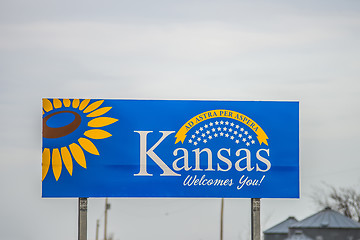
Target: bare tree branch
(344, 200)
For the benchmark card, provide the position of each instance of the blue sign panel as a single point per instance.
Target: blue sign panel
(170, 148)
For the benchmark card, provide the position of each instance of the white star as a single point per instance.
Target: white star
(221, 134)
(213, 129)
(211, 124)
(252, 141)
(195, 143)
(197, 132)
(246, 132)
(232, 137)
(244, 139)
(190, 141)
(247, 144)
(241, 129)
(215, 135)
(250, 137)
(227, 123)
(205, 141)
(227, 135)
(225, 128)
(207, 132)
(199, 139)
(210, 137)
(230, 129)
(203, 135)
(221, 122)
(193, 136)
(237, 141)
(240, 135)
(201, 129)
(206, 126)
(232, 124)
(219, 128)
(237, 126)
(236, 132)
(216, 123)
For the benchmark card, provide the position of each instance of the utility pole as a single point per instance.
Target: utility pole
(107, 207)
(221, 219)
(97, 229)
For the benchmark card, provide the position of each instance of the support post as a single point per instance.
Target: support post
(255, 219)
(82, 219)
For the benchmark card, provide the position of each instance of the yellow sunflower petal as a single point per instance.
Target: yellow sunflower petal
(56, 163)
(67, 159)
(93, 106)
(47, 105)
(101, 121)
(57, 103)
(45, 162)
(84, 104)
(78, 154)
(75, 103)
(99, 112)
(88, 146)
(67, 102)
(97, 134)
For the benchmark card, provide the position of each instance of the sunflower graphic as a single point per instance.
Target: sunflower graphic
(70, 127)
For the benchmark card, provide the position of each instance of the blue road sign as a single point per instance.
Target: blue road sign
(170, 148)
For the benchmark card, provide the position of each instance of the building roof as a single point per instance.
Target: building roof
(327, 218)
(282, 227)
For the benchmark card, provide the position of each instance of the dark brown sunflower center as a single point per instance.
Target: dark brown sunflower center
(50, 132)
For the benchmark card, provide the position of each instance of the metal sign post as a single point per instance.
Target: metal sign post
(255, 219)
(82, 219)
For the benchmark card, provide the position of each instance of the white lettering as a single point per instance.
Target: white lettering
(264, 160)
(224, 159)
(197, 159)
(144, 153)
(185, 157)
(247, 158)
(203, 181)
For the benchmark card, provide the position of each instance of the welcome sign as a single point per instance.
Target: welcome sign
(170, 148)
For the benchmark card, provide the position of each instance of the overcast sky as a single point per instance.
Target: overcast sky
(239, 50)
